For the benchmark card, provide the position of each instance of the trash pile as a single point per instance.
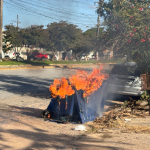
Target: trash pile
(118, 116)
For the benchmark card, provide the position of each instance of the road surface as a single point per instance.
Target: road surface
(26, 82)
(23, 97)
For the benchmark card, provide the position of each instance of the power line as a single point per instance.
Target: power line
(23, 8)
(22, 12)
(69, 11)
(29, 10)
(79, 2)
(74, 2)
(48, 8)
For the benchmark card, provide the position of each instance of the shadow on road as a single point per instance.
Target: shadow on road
(32, 86)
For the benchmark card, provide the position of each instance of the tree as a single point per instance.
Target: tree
(11, 35)
(64, 36)
(128, 29)
(59, 36)
(94, 43)
(6, 43)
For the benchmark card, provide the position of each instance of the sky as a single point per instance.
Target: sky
(42, 12)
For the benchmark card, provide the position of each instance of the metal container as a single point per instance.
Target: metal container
(86, 109)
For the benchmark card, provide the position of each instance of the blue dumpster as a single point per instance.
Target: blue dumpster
(85, 109)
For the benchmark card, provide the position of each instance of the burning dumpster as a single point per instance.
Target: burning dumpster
(92, 109)
(81, 96)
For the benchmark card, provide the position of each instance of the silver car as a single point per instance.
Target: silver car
(125, 80)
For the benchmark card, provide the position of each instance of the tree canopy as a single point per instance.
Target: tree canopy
(128, 29)
(56, 37)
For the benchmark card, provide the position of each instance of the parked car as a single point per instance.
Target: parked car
(20, 56)
(38, 56)
(125, 80)
(83, 57)
(89, 56)
(10, 55)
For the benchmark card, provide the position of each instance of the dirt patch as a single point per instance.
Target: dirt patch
(22, 128)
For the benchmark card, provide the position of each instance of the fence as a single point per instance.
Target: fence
(145, 81)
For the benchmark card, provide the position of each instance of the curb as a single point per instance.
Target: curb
(18, 67)
(26, 67)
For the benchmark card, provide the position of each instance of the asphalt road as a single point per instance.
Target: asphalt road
(28, 82)
(35, 82)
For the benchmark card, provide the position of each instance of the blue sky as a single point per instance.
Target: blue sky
(43, 12)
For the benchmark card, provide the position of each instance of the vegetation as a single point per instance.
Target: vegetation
(56, 37)
(36, 63)
(6, 42)
(127, 32)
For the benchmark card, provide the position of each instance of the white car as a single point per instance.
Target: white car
(83, 57)
(15, 55)
(20, 56)
(10, 55)
(125, 79)
(88, 56)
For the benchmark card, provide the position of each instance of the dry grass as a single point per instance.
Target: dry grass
(137, 128)
(106, 135)
(119, 116)
(119, 124)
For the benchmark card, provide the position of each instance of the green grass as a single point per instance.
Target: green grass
(11, 63)
(38, 63)
(110, 61)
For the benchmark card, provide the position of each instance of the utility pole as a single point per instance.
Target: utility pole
(98, 19)
(17, 22)
(17, 27)
(1, 28)
(100, 3)
(98, 25)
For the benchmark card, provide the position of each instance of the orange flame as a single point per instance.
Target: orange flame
(61, 88)
(81, 81)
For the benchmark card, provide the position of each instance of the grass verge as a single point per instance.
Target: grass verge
(36, 63)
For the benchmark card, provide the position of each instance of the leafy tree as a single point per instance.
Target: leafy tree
(11, 34)
(91, 32)
(94, 43)
(56, 37)
(6, 43)
(128, 29)
(63, 36)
